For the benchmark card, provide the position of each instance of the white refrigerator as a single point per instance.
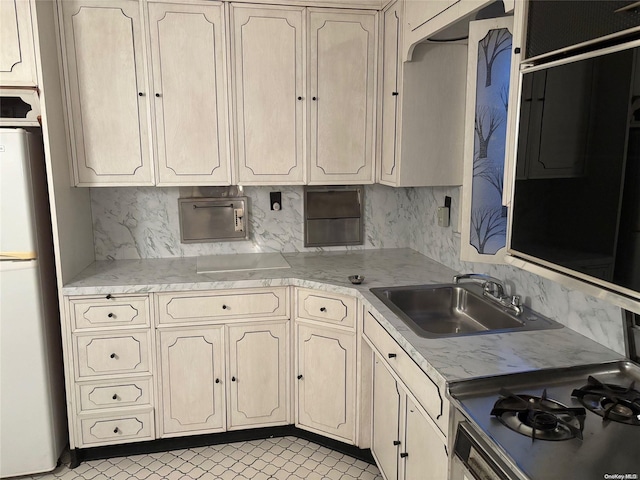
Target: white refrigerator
(32, 404)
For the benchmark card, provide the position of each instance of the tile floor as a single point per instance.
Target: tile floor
(283, 458)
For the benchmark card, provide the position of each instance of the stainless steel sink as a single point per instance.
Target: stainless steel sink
(452, 310)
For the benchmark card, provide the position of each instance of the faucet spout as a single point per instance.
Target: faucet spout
(493, 289)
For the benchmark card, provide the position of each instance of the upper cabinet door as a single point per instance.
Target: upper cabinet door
(109, 126)
(268, 70)
(189, 93)
(390, 82)
(17, 56)
(342, 70)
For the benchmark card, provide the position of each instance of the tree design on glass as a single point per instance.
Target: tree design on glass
(488, 216)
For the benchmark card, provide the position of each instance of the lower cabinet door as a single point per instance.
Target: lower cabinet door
(258, 375)
(192, 392)
(424, 451)
(385, 440)
(326, 381)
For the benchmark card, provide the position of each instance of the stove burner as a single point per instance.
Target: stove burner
(611, 402)
(540, 418)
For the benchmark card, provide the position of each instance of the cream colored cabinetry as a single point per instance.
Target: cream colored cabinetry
(422, 108)
(109, 370)
(290, 130)
(342, 85)
(409, 412)
(326, 364)
(108, 92)
(269, 93)
(190, 97)
(224, 360)
(17, 55)
(112, 92)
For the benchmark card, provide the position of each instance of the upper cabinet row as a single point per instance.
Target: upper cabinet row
(151, 99)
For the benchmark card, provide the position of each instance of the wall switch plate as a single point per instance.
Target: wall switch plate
(275, 200)
(443, 216)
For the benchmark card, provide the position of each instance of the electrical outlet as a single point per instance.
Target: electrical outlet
(443, 216)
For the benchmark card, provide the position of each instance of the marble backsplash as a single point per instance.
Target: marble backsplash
(132, 223)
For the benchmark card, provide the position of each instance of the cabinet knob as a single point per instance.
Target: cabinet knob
(224, 307)
(392, 355)
(314, 98)
(300, 377)
(217, 380)
(115, 396)
(158, 95)
(233, 379)
(140, 94)
(396, 442)
(404, 455)
(109, 296)
(113, 355)
(299, 98)
(395, 94)
(116, 430)
(323, 309)
(110, 315)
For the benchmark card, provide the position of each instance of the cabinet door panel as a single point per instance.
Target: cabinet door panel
(191, 361)
(189, 93)
(424, 445)
(17, 60)
(258, 374)
(326, 390)
(107, 86)
(386, 426)
(342, 60)
(268, 65)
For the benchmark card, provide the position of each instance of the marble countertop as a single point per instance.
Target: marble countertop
(446, 359)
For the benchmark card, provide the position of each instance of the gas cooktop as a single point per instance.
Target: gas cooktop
(581, 422)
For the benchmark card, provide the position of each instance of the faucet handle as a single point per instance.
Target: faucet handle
(516, 301)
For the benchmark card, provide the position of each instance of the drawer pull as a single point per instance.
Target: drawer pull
(233, 379)
(109, 296)
(224, 307)
(392, 355)
(217, 380)
(322, 309)
(404, 455)
(116, 430)
(396, 442)
(115, 396)
(113, 355)
(300, 377)
(111, 315)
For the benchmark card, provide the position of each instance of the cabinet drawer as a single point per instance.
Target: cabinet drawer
(120, 393)
(426, 391)
(326, 307)
(121, 428)
(224, 305)
(109, 311)
(108, 354)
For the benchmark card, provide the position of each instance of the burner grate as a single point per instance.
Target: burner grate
(612, 402)
(539, 417)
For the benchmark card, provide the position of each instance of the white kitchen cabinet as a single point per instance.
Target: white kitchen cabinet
(422, 109)
(326, 383)
(258, 374)
(342, 68)
(17, 55)
(290, 130)
(189, 93)
(268, 57)
(192, 374)
(107, 92)
(405, 442)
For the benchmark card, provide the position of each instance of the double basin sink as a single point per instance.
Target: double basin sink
(453, 310)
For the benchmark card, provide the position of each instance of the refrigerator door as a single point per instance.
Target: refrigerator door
(17, 228)
(30, 435)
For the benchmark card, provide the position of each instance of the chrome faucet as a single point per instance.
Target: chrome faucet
(493, 289)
